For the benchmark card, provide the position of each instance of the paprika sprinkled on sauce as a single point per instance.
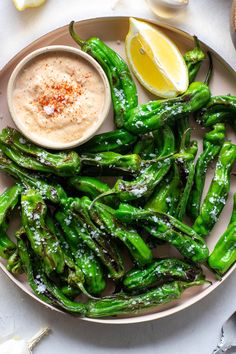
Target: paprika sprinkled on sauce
(59, 96)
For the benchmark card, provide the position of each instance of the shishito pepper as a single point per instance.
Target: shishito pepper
(141, 186)
(74, 247)
(219, 109)
(78, 225)
(193, 59)
(185, 158)
(212, 143)
(8, 200)
(224, 253)
(104, 217)
(43, 242)
(122, 304)
(150, 175)
(145, 147)
(218, 191)
(7, 246)
(123, 89)
(159, 272)
(119, 140)
(166, 195)
(30, 156)
(49, 191)
(43, 287)
(92, 187)
(166, 228)
(152, 115)
(130, 163)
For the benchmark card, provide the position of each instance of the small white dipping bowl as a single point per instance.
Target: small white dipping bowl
(35, 137)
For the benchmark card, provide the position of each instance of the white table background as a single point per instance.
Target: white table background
(193, 331)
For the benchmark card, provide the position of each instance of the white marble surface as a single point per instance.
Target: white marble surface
(192, 331)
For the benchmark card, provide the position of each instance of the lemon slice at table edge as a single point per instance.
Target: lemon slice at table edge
(155, 60)
(24, 4)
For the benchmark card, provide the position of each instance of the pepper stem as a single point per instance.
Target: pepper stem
(210, 69)
(84, 291)
(185, 285)
(101, 196)
(74, 35)
(184, 139)
(196, 41)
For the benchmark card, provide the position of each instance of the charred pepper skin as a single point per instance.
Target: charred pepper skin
(7, 246)
(8, 201)
(52, 192)
(219, 109)
(74, 248)
(153, 115)
(143, 185)
(119, 140)
(104, 217)
(83, 229)
(145, 147)
(212, 143)
(130, 163)
(159, 272)
(122, 304)
(150, 176)
(92, 187)
(167, 228)
(44, 288)
(123, 89)
(187, 155)
(26, 256)
(28, 155)
(224, 253)
(218, 191)
(193, 59)
(43, 242)
(166, 195)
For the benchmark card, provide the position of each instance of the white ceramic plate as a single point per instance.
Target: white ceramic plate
(113, 31)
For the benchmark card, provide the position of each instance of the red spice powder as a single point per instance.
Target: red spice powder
(58, 96)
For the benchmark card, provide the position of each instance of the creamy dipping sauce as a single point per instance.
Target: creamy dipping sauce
(59, 96)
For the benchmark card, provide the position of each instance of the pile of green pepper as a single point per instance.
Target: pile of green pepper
(80, 234)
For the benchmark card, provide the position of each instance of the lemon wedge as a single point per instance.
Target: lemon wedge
(155, 60)
(24, 4)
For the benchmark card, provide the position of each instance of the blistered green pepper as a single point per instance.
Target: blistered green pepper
(193, 59)
(83, 228)
(212, 143)
(219, 109)
(30, 156)
(119, 140)
(218, 191)
(159, 272)
(224, 253)
(153, 115)
(50, 191)
(123, 89)
(166, 228)
(43, 242)
(122, 304)
(104, 217)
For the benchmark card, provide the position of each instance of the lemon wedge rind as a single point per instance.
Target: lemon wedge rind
(162, 56)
